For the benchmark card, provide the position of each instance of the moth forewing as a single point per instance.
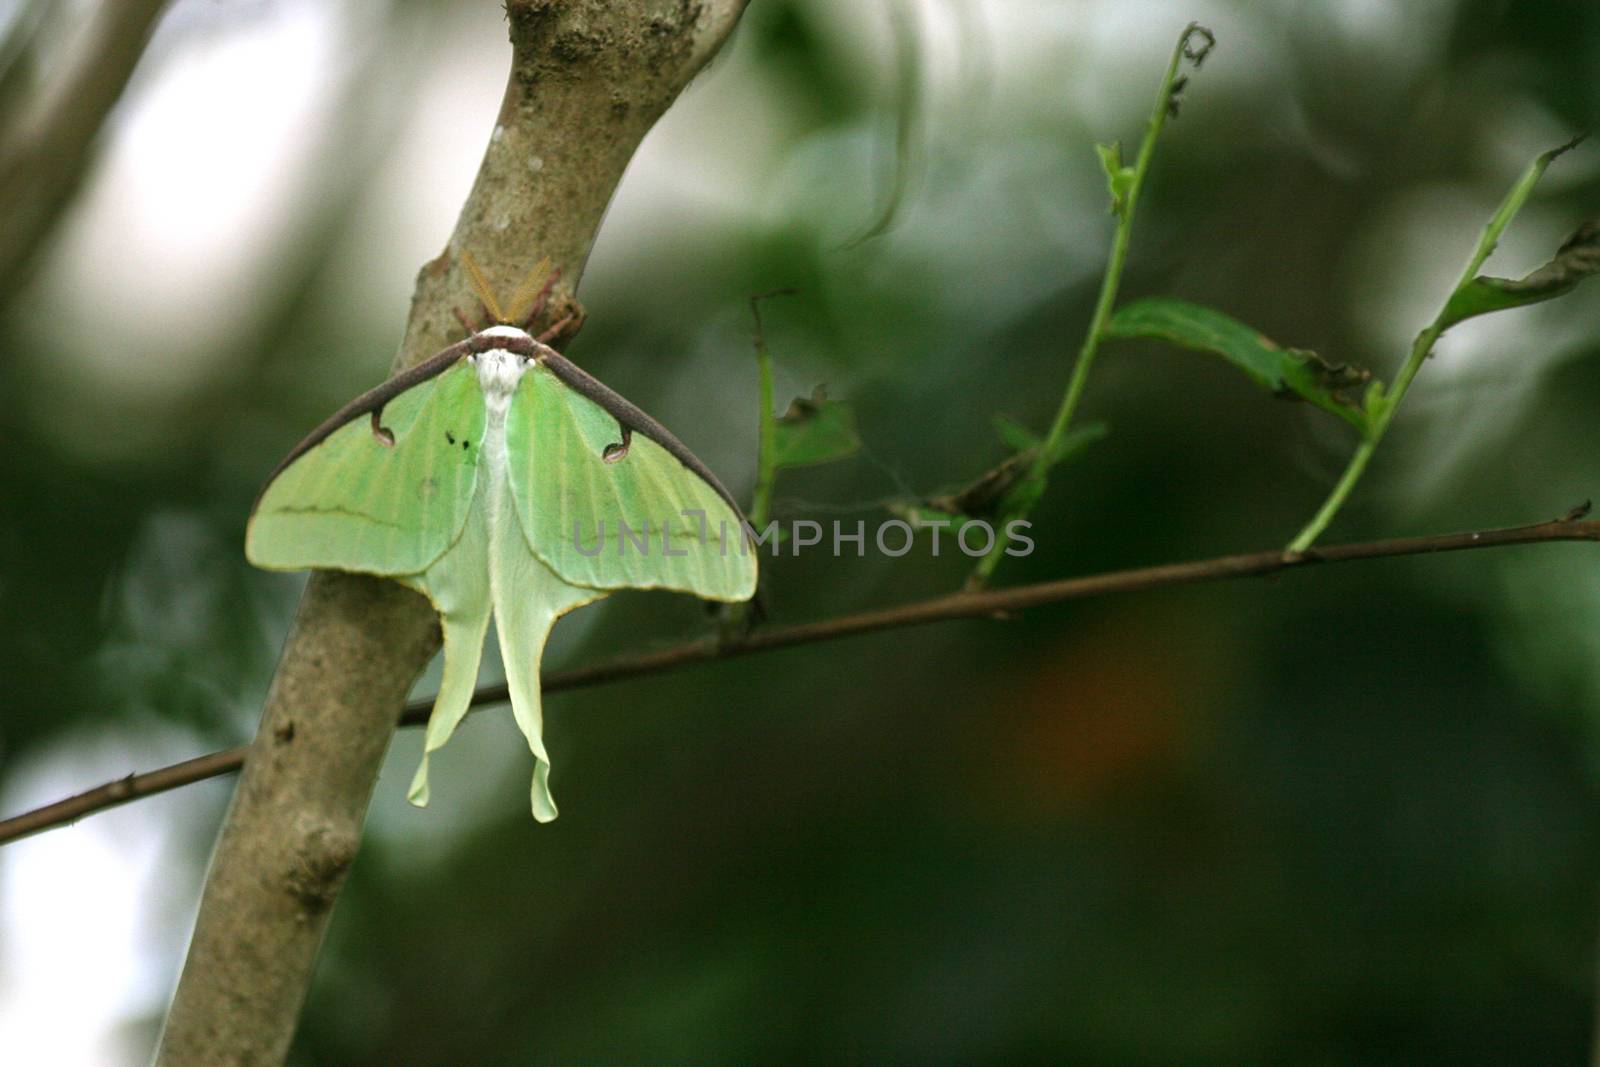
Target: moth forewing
(355, 503)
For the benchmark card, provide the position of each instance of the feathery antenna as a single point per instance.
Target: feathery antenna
(481, 287)
(527, 294)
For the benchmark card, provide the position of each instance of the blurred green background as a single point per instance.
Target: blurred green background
(1343, 817)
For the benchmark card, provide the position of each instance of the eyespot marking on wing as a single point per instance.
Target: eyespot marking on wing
(615, 453)
(384, 435)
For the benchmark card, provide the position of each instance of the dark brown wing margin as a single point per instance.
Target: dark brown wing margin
(371, 400)
(627, 414)
(574, 377)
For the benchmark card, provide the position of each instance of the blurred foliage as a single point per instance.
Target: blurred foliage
(1347, 816)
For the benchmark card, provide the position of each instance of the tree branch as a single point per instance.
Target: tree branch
(43, 161)
(965, 605)
(588, 79)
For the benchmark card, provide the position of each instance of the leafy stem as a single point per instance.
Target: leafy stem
(766, 449)
(1381, 404)
(734, 616)
(1125, 185)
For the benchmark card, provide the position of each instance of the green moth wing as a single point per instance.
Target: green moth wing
(352, 502)
(487, 518)
(607, 513)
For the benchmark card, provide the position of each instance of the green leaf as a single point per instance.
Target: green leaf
(1022, 439)
(814, 430)
(1575, 260)
(1283, 371)
(1015, 434)
(1119, 179)
(1075, 441)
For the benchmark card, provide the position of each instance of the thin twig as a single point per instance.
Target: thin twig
(115, 793)
(965, 605)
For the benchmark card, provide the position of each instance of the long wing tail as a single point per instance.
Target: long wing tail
(458, 586)
(528, 599)
(463, 649)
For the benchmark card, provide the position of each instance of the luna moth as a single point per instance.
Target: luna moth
(492, 478)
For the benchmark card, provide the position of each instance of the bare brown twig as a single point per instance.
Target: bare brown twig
(939, 609)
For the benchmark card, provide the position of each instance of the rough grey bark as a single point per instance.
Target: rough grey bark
(588, 79)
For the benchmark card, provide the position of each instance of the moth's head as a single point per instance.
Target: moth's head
(499, 370)
(526, 300)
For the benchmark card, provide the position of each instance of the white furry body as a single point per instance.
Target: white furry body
(499, 373)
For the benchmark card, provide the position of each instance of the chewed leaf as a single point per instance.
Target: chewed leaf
(1575, 260)
(1002, 488)
(815, 430)
(1284, 371)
